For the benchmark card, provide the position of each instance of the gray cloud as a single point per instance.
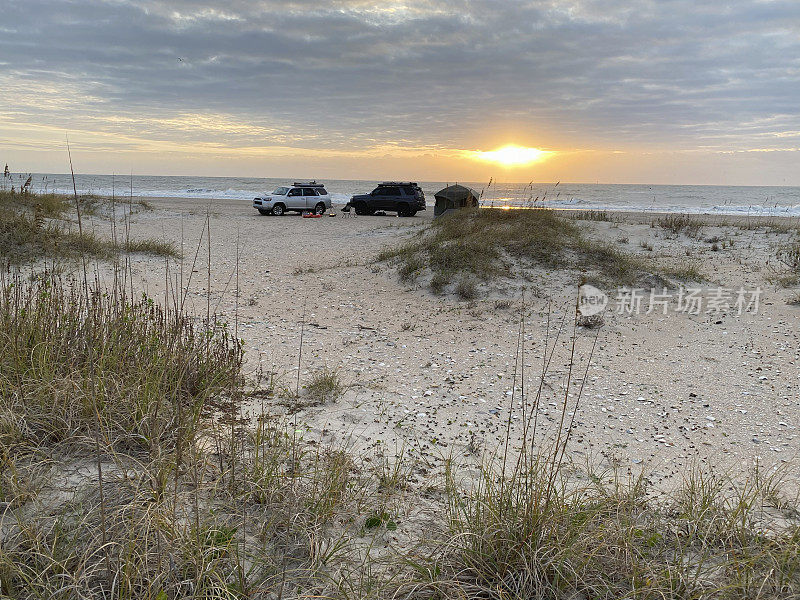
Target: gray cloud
(590, 73)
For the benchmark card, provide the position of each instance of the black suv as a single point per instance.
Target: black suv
(404, 197)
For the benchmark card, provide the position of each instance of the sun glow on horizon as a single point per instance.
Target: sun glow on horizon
(511, 155)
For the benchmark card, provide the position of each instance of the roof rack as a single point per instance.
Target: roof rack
(398, 183)
(308, 184)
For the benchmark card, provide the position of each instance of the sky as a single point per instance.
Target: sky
(609, 91)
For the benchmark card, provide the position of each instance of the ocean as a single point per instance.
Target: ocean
(696, 199)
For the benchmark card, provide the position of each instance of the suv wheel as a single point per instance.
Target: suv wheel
(278, 210)
(361, 208)
(319, 209)
(403, 210)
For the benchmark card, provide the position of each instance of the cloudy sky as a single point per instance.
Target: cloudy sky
(650, 91)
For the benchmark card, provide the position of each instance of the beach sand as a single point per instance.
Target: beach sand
(432, 376)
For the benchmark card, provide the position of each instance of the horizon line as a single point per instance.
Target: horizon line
(493, 180)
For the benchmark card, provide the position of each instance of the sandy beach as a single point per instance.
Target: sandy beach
(432, 375)
(581, 383)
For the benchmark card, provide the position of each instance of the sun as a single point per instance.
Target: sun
(512, 155)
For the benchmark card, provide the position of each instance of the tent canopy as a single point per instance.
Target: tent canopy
(454, 197)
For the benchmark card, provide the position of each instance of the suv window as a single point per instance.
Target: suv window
(309, 192)
(389, 191)
(295, 192)
(322, 191)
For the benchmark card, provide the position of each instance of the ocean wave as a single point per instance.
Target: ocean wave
(758, 210)
(574, 202)
(726, 209)
(754, 210)
(714, 200)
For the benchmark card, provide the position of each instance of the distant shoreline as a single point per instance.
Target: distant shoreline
(630, 216)
(769, 201)
(122, 178)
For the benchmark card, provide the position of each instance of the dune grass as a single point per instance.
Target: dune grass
(25, 239)
(71, 357)
(591, 215)
(40, 226)
(129, 469)
(325, 386)
(789, 255)
(151, 246)
(534, 524)
(74, 395)
(56, 205)
(677, 224)
(487, 244)
(545, 533)
(48, 205)
(119, 481)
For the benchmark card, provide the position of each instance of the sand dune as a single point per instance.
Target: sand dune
(433, 374)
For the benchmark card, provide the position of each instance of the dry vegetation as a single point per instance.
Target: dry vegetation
(45, 226)
(119, 481)
(123, 481)
(128, 470)
(789, 255)
(547, 532)
(487, 244)
(535, 525)
(324, 386)
(677, 224)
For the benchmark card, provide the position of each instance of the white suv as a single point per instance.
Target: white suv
(299, 197)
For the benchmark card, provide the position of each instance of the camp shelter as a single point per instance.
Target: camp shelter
(454, 197)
